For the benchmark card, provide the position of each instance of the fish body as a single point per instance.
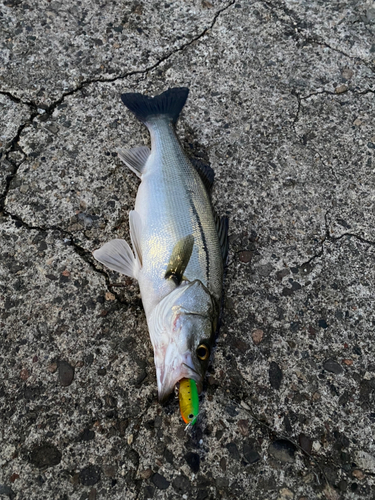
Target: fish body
(178, 242)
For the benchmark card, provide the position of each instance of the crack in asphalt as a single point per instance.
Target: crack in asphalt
(352, 235)
(300, 27)
(35, 113)
(356, 58)
(68, 238)
(298, 112)
(334, 239)
(302, 138)
(49, 110)
(13, 98)
(325, 92)
(14, 146)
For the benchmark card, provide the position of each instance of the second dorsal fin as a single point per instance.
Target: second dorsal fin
(205, 172)
(222, 226)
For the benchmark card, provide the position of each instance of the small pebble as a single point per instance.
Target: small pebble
(250, 454)
(341, 89)
(233, 450)
(52, 367)
(243, 427)
(66, 373)
(347, 73)
(90, 475)
(110, 470)
(285, 494)
(257, 336)
(45, 455)
(145, 474)
(305, 443)
(347, 362)
(160, 481)
(92, 494)
(282, 450)
(181, 483)
(330, 493)
(358, 474)
(275, 375)
(316, 396)
(24, 374)
(245, 256)
(193, 461)
(365, 461)
(316, 446)
(330, 365)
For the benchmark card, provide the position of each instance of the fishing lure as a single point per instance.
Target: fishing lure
(189, 401)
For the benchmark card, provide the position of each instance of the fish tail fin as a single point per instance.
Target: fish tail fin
(168, 104)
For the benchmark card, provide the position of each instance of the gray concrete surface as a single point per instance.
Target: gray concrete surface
(282, 106)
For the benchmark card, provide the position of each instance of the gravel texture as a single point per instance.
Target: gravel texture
(282, 106)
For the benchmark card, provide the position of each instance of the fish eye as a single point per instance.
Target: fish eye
(203, 352)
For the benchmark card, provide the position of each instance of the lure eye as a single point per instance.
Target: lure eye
(203, 352)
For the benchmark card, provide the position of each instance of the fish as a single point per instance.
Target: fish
(179, 244)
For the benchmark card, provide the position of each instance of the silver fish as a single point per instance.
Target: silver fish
(178, 241)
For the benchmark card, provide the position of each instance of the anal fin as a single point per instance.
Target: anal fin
(135, 158)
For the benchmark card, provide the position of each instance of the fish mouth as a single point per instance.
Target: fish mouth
(168, 375)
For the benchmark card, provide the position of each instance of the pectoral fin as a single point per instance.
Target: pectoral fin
(179, 260)
(118, 256)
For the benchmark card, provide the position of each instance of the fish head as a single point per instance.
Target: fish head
(182, 333)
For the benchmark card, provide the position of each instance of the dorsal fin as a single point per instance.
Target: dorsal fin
(179, 259)
(222, 225)
(205, 172)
